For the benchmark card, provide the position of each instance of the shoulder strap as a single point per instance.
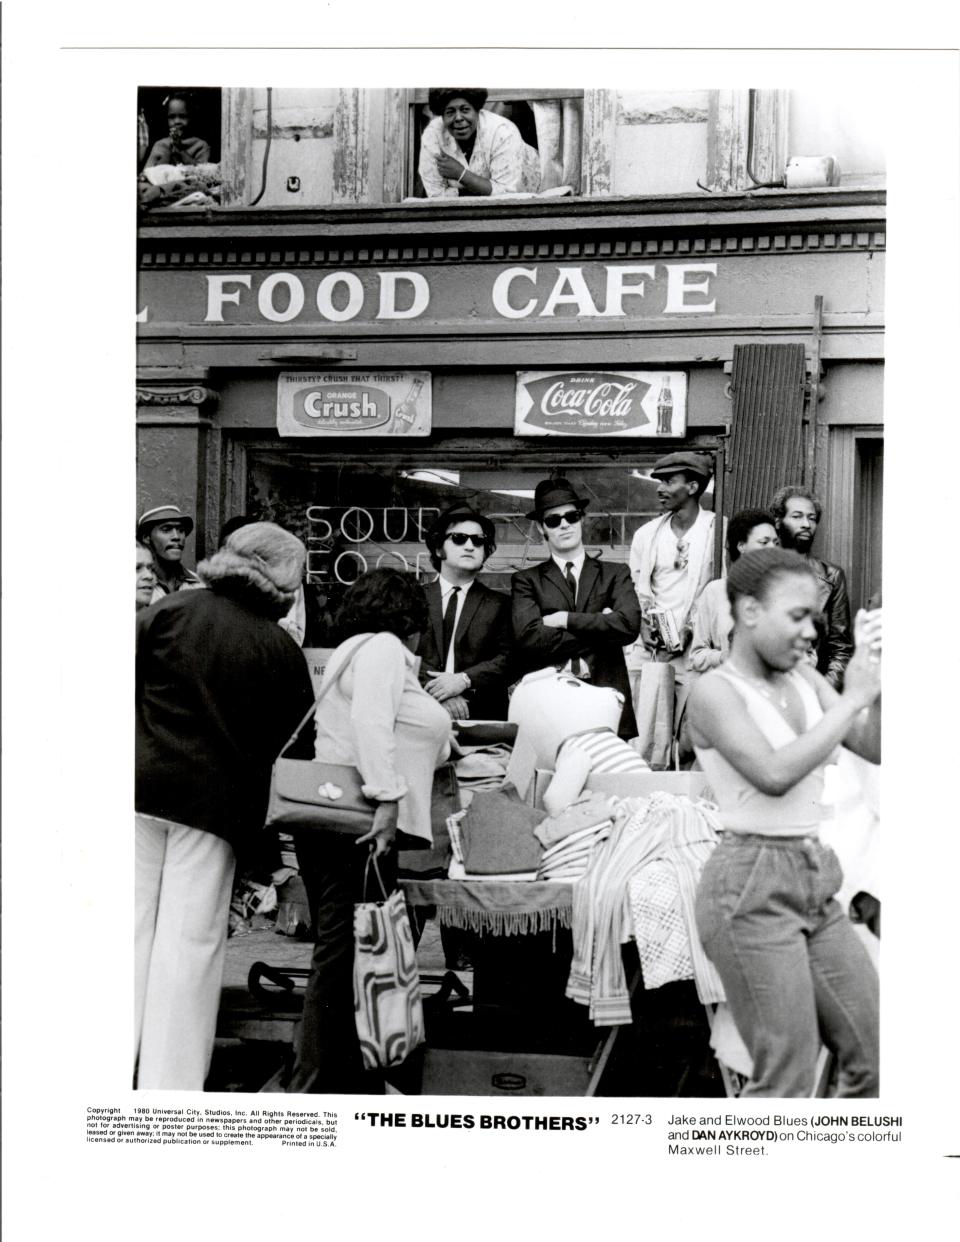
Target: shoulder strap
(327, 685)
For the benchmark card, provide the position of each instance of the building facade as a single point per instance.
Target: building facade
(333, 351)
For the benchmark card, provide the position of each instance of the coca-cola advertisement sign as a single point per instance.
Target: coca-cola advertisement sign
(637, 404)
(351, 403)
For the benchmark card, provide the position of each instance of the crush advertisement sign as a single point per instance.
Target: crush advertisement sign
(635, 404)
(351, 403)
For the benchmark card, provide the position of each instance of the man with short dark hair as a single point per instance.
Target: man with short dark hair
(797, 513)
(573, 610)
(164, 531)
(466, 651)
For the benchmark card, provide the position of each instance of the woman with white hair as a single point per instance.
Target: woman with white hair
(219, 687)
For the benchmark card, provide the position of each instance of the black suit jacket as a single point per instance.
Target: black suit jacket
(595, 636)
(482, 647)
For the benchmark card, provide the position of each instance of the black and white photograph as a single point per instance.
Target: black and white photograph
(545, 693)
(506, 465)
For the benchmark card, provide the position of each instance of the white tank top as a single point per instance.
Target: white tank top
(743, 808)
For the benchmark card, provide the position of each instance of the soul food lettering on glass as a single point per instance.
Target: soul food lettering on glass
(348, 403)
(636, 404)
(343, 543)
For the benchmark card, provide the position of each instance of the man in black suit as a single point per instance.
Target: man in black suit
(466, 652)
(572, 610)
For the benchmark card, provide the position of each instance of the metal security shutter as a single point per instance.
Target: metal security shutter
(766, 439)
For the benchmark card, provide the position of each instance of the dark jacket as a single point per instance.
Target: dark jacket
(595, 636)
(834, 637)
(219, 690)
(482, 647)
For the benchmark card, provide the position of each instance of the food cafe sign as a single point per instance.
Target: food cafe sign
(449, 294)
(636, 404)
(353, 403)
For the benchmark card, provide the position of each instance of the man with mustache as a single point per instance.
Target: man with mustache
(797, 513)
(671, 559)
(164, 531)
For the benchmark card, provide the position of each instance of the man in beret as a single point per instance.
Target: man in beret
(164, 531)
(465, 653)
(573, 610)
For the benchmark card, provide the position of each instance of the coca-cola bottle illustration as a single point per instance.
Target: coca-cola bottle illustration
(665, 408)
(404, 416)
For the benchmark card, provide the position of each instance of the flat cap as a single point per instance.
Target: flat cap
(696, 463)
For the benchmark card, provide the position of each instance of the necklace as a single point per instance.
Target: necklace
(768, 692)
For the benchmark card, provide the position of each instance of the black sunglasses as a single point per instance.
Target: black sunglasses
(571, 517)
(459, 538)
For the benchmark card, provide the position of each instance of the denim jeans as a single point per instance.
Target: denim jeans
(792, 966)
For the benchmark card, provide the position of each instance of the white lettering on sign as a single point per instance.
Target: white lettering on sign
(265, 303)
(341, 297)
(617, 289)
(608, 400)
(325, 297)
(218, 297)
(579, 295)
(314, 406)
(501, 292)
(570, 289)
(677, 288)
(388, 295)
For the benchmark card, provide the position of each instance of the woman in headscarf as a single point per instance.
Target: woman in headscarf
(219, 688)
(468, 150)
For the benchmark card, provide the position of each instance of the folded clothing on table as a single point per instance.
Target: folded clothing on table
(497, 834)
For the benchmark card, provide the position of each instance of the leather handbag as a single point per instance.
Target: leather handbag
(314, 794)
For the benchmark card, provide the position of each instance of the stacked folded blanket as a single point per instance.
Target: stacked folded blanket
(571, 836)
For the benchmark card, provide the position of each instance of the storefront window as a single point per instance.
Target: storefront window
(356, 513)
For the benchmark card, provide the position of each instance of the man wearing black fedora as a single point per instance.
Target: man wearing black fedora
(164, 530)
(465, 652)
(572, 610)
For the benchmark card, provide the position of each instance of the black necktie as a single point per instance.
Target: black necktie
(449, 621)
(571, 580)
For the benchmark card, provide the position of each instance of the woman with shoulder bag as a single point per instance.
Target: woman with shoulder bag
(375, 716)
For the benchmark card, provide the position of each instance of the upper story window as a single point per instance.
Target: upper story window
(178, 146)
(469, 142)
(290, 147)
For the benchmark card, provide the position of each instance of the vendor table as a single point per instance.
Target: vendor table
(523, 1036)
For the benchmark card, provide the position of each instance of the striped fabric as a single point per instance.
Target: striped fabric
(570, 857)
(644, 829)
(606, 751)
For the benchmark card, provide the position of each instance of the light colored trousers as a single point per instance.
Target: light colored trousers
(184, 877)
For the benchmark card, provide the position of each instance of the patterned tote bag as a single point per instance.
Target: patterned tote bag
(386, 984)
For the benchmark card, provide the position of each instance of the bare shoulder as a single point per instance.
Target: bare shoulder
(711, 690)
(712, 703)
(819, 684)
